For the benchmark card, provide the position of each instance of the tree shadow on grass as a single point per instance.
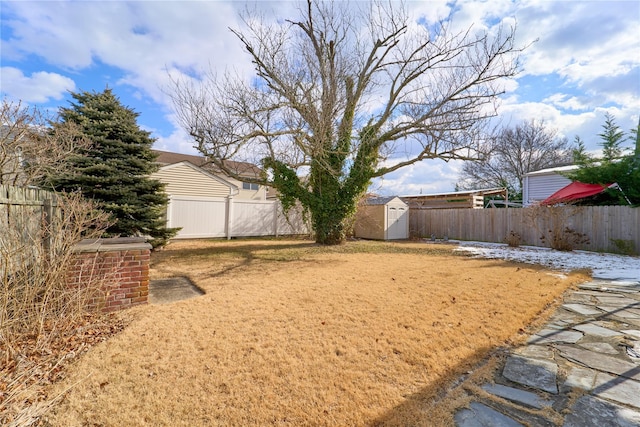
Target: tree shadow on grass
(428, 407)
(257, 248)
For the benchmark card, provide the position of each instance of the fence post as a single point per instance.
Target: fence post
(275, 218)
(169, 215)
(47, 223)
(229, 217)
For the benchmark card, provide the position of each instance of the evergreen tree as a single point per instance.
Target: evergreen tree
(614, 167)
(579, 154)
(635, 138)
(612, 137)
(115, 170)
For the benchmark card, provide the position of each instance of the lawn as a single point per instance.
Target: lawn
(291, 333)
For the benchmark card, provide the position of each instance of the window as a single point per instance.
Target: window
(248, 186)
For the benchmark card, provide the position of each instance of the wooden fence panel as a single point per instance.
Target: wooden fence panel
(28, 211)
(27, 221)
(608, 228)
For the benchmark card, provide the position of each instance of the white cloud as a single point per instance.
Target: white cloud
(580, 41)
(178, 142)
(566, 102)
(140, 38)
(426, 177)
(589, 51)
(40, 87)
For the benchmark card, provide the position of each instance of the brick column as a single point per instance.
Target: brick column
(118, 268)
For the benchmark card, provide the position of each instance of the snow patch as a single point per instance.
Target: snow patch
(624, 270)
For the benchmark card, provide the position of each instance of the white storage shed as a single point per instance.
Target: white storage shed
(382, 218)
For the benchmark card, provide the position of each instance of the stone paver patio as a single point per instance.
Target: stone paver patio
(582, 369)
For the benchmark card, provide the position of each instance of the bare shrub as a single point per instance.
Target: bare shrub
(514, 239)
(38, 308)
(552, 222)
(30, 149)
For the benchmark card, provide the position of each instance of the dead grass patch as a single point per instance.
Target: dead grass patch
(290, 333)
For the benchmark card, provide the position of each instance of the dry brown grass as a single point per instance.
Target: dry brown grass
(290, 333)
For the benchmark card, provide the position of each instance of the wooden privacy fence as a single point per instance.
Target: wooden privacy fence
(608, 228)
(30, 211)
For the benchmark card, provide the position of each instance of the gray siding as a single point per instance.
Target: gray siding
(542, 186)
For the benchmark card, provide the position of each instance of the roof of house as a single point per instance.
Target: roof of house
(380, 200)
(480, 192)
(558, 169)
(241, 168)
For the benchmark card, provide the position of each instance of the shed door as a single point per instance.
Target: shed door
(397, 226)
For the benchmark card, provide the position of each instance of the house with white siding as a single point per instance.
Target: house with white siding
(191, 175)
(538, 185)
(204, 203)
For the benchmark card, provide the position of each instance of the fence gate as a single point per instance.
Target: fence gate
(197, 216)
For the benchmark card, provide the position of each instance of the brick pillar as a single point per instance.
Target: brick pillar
(118, 268)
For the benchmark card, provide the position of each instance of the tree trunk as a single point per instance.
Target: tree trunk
(329, 206)
(329, 226)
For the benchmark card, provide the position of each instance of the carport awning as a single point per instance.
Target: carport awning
(575, 191)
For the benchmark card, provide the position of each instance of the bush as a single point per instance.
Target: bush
(559, 235)
(38, 308)
(513, 239)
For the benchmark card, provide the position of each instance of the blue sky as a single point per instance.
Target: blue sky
(585, 63)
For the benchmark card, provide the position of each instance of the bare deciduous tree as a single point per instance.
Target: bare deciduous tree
(30, 148)
(343, 94)
(505, 159)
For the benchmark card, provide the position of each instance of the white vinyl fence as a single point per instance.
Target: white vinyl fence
(201, 217)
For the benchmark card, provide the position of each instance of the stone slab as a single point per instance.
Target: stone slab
(630, 288)
(546, 336)
(535, 351)
(516, 395)
(596, 330)
(582, 378)
(535, 373)
(556, 326)
(578, 298)
(479, 415)
(600, 347)
(591, 411)
(564, 322)
(619, 301)
(585, 310)
(600, 362)
(590, 293)
(632, 322)
(625, 313)
(633, 332)
(162, 291)
(618, 389)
